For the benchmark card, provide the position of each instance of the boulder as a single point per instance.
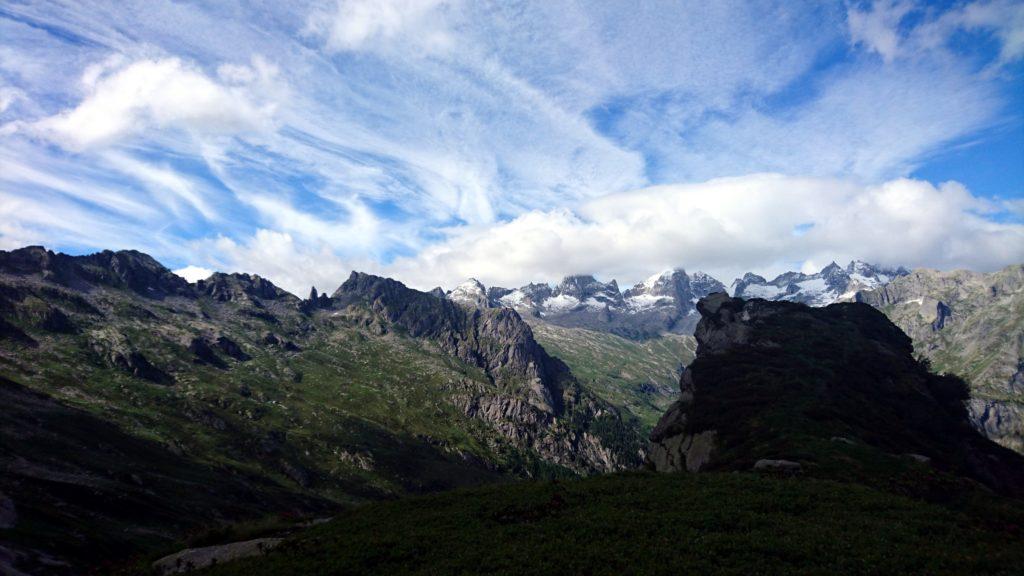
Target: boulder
(780, 466)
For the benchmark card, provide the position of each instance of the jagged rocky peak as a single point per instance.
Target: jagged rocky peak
(535, 391)
(780, 382)
(585, 287)
(236, 287)
(28, 260)
(137, 271)
(470, 293)
(703, 284)
(584, 291)
(834, 274)
(361, 284)
(528, 298)
(674, 287)
(665, 283)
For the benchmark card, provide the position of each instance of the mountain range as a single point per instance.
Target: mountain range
(372, 391)
(665, 302)
(127, 388)
(965, 323)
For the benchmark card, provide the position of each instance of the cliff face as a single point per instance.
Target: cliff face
(534, 401)
(784, 386)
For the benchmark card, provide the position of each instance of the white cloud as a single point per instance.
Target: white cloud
(8, 96)
(194, 273)
(368, 24)
(169, 187)
(726, 227)
(153, 93)
(884, 28)
(15, 171)
(277, 256)
(877, 27)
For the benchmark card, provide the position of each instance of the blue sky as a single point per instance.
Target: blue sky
(433, 140)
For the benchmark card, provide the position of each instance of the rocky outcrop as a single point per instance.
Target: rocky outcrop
(232, 349)
(776, 382)
(241, 288)
(1000, 420)
(203, 353)
(115, 351)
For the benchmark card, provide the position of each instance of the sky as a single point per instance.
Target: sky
(514, 141)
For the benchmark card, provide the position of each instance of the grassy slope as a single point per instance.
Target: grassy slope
(353, 416)
(643, 523)
(344, 391)
(641, 376)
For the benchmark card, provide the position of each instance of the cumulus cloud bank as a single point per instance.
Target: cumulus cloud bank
(764, 222)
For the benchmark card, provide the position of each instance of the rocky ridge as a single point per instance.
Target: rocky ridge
(665, 302)
(832, 284)
(540, 406)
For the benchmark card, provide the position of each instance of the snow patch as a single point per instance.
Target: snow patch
(643, 302)
(561, 303)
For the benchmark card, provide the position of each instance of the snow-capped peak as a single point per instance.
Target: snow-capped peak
(471, 293)
(651, 281)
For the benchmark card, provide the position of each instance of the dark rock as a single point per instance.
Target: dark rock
(778, 466)
(12, 333)
(232, 349)
(136, 364)
(55, 320)
(942, 315)
(135, 271)
(204, 353)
